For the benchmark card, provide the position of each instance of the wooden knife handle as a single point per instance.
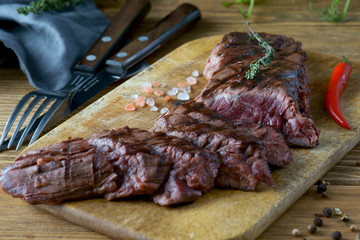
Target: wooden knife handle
(129, 16)
(173, 24)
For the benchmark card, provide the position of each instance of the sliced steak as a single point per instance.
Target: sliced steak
(115, 164)
(277, 151)
(277, 96)
(145, 161)
(242, 155)
(139, 170)
(245, 149)
(69, 170)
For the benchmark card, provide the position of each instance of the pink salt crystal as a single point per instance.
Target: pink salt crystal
(191, 80)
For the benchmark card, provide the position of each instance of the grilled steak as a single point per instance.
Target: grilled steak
(69, 170)
(277, 96)
(244, 148)
(277, 152)
(144, 161)
(114, 164)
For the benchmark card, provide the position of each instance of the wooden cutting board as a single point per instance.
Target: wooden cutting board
(219, 214)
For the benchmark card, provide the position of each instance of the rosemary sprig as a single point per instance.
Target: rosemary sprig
(46, 5)
(265, 60)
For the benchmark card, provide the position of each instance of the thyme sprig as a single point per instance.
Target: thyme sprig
(265, 60)
(46, 5)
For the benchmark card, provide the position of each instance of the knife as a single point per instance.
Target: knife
(112, 39)
(118, 65)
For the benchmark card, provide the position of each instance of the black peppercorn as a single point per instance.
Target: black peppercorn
(345, 218)
(336, 235)
(321, 188)
(318, 222)
(312, 228)
(327, 212)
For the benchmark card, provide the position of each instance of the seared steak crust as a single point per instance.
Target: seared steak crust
(145, 160)
(191, 113)
(245, 149)
(277, 96)
(69, 170)
(115, 164)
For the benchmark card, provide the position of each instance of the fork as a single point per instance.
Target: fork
(49, 100)
(115, 35)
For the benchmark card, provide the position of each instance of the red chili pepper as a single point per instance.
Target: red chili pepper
(337, 83)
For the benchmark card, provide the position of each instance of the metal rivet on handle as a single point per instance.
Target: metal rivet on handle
(90, 57)
(121, 54)
(143, 38)
(106, 39)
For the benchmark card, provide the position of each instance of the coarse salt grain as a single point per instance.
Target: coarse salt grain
(186, 89)
(149, 90)
(130, 107)
(154, 109)
(150, 102)
(195, 73)
(134, 96)
(156, 84)
(182, 84)
(140, 101)
(146, 84)
(173, 91)
(167, 98)
(164, 111)
(183, 96)
(191, 80)
(158, 92)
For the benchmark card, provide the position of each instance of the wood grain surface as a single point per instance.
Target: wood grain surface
(22, 221)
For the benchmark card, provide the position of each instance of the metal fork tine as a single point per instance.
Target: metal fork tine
(46, 119)
(32, 121)
(14, 114)
(22, 119)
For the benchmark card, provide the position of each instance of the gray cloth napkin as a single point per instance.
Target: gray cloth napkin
(49, 44)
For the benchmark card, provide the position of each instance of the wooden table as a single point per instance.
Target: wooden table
(19, 220)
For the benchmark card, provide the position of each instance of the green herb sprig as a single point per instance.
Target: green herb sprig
(265, 60)
(240, 9)
(333, 13)
(46, 5)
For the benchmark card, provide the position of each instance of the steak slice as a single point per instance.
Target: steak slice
(244, 148)
(277, 151)
(277, 96)
(139, 171)
(69, 170)
(115, 164)
(172, 170)
(242, 155)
